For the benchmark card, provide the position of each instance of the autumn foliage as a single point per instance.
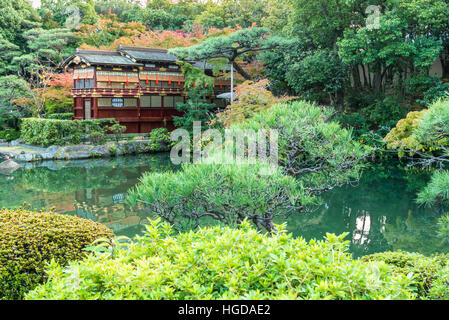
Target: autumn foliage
(108, 34)
(250, 97)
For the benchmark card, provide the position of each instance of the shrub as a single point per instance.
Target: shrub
(425, 89)
(401, 137)
(97, 138)
(60, 116)
(225, 192)
(47, 132)
(9, 134)
(224, 263)
(29, 240)
(426, 272)
(118, 131)
(423, 131)
(160, 140)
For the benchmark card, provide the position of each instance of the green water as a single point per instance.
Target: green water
(379, 213)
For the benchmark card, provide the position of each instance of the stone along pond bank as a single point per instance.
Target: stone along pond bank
(18, 151)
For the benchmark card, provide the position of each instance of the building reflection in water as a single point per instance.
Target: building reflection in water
(360, 235)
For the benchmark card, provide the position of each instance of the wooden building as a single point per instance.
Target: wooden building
(139, 87)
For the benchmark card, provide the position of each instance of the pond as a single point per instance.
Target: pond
(379, 213)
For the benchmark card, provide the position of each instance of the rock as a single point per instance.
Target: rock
(77, 155)
(50, 153)
(15, 143)
(52, 149)
(100, 151)
(28, 157)
(8, 167)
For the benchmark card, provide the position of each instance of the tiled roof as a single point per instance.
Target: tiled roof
(100, 57)
(147, 54)
(125, 56)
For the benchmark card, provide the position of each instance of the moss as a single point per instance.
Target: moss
(29, 240)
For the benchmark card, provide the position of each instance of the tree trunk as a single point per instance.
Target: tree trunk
(356, 77)
(240, 70)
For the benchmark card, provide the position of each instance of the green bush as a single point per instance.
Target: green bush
(160, 140)
(224, 263)
(30, 240)
(9, 134)
(425, 89)
(47, 132)
(60, 116)
(97, 138)
(427, 273)
(118, 131)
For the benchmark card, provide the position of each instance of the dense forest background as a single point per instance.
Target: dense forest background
(374, 61)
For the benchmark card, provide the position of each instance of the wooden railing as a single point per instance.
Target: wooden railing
(135, 91)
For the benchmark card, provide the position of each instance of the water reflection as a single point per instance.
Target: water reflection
(378, 214)
(91, 189)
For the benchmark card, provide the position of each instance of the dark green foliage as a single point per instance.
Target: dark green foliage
(29, 240)
(9, 134)
(425, 89)
(320, 76)
(160, 140)
(12, 88)
(378, 117)
(118, 131)
(195, 109)
(46, 132)
(60, 116)
(97, 138)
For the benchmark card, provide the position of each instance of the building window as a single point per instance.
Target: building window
(151, 101)
(156, 101)
(117, 102)
(172, 101)
(178, 99)
(130, 102)
(169, 102)
(83, 83)
(104, 102)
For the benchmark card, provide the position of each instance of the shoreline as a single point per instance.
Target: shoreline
(22, 152)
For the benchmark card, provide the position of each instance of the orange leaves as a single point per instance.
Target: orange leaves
(251, 97)
(96, 36)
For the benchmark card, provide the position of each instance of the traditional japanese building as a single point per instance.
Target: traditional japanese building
(139, 87)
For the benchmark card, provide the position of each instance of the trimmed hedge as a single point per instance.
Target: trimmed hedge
(61, 116)
(47, 132)
(224, 263)
(29, 240)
